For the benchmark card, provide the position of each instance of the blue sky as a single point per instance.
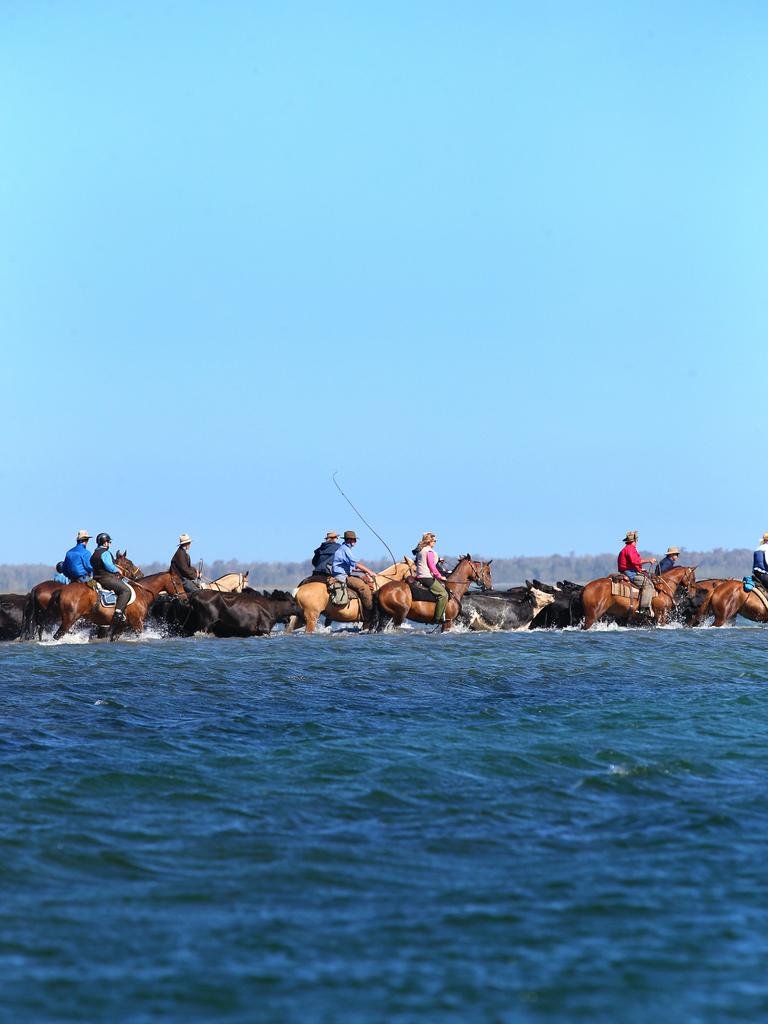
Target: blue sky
(503, 266)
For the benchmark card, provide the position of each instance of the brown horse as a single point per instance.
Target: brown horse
(78, 601)
(699, 605)
(36, 610)
(599, 603)
(730, 599)
(314, 601)
(395, 600)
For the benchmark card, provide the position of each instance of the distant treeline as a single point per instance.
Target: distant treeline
(507, 572)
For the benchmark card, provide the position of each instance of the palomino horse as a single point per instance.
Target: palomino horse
(314, 601)
(230, 583)
(395, 600)
(731, 599)
(77, 600)
(600, 603)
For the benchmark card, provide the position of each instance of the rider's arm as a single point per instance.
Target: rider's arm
(109, 563)
(365, 569)
(647, 561)
(432, 566)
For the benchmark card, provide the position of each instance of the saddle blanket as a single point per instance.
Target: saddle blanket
(621, 587)
(108, 598)
(419, 593)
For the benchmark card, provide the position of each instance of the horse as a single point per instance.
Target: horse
(395, 600)
(600, 603)
(696, 608)
(38, 612)
(229, 583)
(730, 599)
(77, 600)
(313, 598)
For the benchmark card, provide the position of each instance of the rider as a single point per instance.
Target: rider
(429, 575)
(107, 573)
(60, 577)
(322, 559)
(181, 564)
(668, 561)
(77, 561)
(344, 564)
(631, 565)
(760, 563)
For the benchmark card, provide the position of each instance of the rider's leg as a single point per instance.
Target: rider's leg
(363, 591)
(442, 595)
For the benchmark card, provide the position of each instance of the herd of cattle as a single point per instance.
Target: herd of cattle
(535, 605)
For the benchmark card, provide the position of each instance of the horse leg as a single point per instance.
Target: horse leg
(311, 617)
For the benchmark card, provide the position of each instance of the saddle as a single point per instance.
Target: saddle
(108, 598)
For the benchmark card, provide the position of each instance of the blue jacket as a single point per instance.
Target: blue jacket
(60, 578)
(665, 565)
(323, 557)
(77, 562)
(758, 559)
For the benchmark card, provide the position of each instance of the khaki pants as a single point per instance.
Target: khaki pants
(647, 590)
(363, 591)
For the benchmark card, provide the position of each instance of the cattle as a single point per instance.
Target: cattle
(566, 609)
(11, 615)
(247, 614)
(502, 609)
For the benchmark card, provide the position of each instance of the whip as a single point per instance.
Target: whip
(359, 513)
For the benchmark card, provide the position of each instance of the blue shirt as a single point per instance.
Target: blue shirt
(77, 562)
(108, 562)
(343, 562)
(60, 578)
(666, 564)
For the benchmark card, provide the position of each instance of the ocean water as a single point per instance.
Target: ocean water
(413, 828)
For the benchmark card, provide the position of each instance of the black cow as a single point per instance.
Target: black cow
(502, 609)
(11, 615)
(567, 608)
(247, 614)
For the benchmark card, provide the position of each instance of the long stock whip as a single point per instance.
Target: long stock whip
(357, 510)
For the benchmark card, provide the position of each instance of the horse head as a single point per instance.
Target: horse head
(124, 562)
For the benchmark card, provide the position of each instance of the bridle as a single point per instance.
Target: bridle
(686, 581)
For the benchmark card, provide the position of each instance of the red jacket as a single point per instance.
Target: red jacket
(629, 558)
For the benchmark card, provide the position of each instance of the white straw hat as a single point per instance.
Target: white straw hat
(185, 539)
(83, 535)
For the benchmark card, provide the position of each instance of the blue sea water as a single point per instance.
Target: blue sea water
(470, 828)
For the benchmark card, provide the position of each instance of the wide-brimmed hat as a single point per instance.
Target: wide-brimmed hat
(83, 535)
(673, 551)
(764, 538)
(350, 535)
(185, 539)
(331, 535)
(630, 536)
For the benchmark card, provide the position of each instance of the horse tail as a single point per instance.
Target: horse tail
(28, 620)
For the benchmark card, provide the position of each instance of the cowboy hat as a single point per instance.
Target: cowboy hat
(764, 538)
(350, 535)
(673, 551)
(185, 539)
(630, 536)
(331, 535)
(83, 535)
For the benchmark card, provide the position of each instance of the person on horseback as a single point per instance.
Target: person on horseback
(668, 561)
(760, 563)
(631, 565)
(322, 559)
(107, 573)
(77, 561)
(429, 575)
(181, 564)
(344, 565)
(60, 577)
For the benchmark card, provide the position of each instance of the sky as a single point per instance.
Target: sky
(502, 266)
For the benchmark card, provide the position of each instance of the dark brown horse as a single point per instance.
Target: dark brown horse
(395, 599)
(78, 601)
(698, 606)
(600, 603)
(730, 599)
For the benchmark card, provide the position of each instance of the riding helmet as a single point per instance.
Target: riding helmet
(103, 538)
